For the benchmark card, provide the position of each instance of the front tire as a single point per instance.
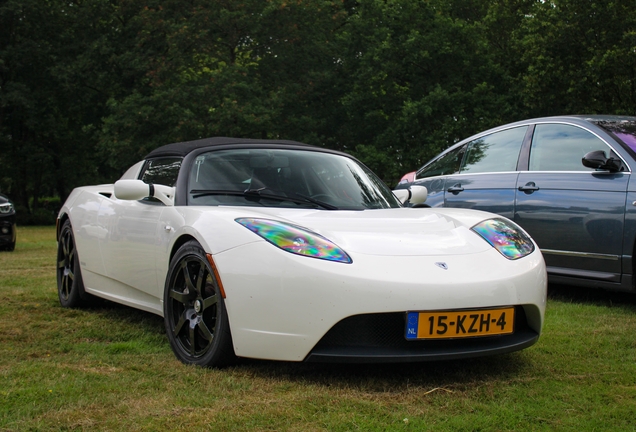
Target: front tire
(194, 310)
(70, 286)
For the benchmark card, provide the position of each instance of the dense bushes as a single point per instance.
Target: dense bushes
(89, 87)
(45, 214)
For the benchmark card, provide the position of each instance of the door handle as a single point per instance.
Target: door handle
(529, 188)
(455, 189)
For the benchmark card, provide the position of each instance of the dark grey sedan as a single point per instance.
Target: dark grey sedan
(566, 180)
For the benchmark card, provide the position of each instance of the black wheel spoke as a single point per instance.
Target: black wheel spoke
(200, 279)
(188, 278)
(192, 342)
(205, 332)
(65, 246)
(179, 325)
(180, 297)
(210, 301)
(64, 284)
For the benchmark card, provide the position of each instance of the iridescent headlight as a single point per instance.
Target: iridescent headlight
(294, 239)
(510, 240)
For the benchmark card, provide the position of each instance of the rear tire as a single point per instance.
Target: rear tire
(70, 286)
(194, 311)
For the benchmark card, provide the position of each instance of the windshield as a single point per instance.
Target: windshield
(285, 178)
(625, 130)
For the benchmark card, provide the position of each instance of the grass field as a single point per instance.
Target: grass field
(110, 368)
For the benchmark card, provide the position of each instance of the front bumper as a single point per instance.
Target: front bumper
(287, 307)
(379, 338)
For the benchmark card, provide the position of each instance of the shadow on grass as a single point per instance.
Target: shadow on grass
(389, 377)
(125, 314)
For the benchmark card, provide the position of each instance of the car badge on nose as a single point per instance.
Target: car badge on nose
(442, 265)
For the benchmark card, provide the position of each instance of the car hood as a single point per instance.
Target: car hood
(394, 232)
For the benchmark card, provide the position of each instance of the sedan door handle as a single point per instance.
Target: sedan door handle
(529, 188)
(455, 189)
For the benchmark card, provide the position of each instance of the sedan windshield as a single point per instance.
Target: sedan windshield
(285, 178)
(624, 130)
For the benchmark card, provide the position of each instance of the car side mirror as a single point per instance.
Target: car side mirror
(414, 194)
(597, 160)
(134, 190)
(418, 194)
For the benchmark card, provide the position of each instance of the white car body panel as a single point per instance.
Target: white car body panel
(310, 296)
(280, 304)
(134, 228)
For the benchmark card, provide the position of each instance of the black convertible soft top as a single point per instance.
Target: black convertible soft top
(183, 148)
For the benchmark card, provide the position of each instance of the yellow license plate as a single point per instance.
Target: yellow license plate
(459, 324)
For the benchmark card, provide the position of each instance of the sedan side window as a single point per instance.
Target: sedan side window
(560, 147)
(162, 171)
(446, 164)
(497, 152)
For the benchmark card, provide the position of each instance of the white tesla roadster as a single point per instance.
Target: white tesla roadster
(280, 250)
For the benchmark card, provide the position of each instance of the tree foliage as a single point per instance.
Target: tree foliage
(88, 87)
(580, 56)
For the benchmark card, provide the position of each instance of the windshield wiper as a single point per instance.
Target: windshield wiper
(317, 202)
(198, 193)
(257, 194)
(301, 198)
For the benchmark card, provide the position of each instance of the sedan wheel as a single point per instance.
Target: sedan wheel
(194, 310)
(70, 286)
(9, 248)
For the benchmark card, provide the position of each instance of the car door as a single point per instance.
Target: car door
(574, 213)
(488, 173)
(433, 174)
(130, 250)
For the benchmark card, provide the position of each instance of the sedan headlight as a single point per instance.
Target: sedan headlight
(510, 240)
(6, 208)
(296, 240)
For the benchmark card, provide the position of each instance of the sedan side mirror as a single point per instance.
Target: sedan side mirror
(597, 160)
(134, 190)
(414, 194)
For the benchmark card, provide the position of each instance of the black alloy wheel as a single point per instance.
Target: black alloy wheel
(70, 286)
(194, 311)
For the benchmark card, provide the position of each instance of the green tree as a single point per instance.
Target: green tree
(580, 57)
(249, 69)
(88, 87)
(51, 99)
(422, 78)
